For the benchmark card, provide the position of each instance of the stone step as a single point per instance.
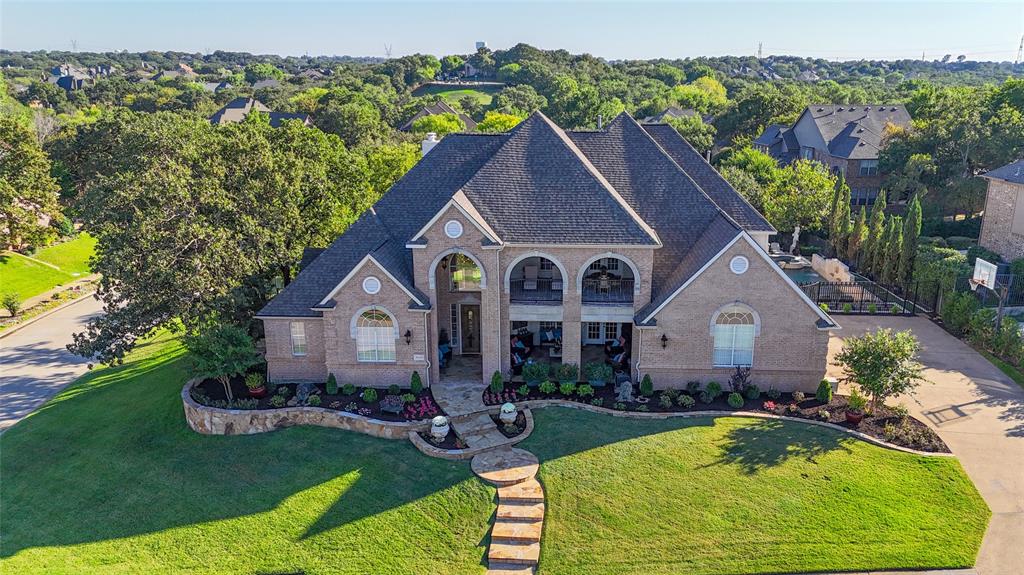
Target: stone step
(506, 531)
(528, 491)
(515, 553)
(527, 512)
(509, 569)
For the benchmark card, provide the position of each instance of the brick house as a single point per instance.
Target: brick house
(847, 138)
(1002, 229)
(543, 244)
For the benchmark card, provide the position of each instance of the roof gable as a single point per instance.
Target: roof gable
(1012, 172)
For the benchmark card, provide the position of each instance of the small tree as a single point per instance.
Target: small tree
(646, 386)
(857, 236)
(416, 383)
(875, 231)
(12, 303)
(882, 364)
(911, 233)
(221, 352)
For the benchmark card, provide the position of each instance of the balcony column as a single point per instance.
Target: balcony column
(572, 316)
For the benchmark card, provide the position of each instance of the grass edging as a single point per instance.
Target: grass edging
(47, 313)
(541, 403)
(1006, 367)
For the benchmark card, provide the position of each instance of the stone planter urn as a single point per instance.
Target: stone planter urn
(508, 414)
(439, 427)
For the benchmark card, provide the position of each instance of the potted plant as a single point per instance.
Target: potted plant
(598, 374)
(534, 373)
(256, 384)
(567, 373)
(855, 407)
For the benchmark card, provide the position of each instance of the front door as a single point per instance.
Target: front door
(470, 324)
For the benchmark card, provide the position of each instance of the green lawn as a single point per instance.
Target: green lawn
(29, 278)
(107, 478)
(735, 495)
(1011, 371)
(483, 94)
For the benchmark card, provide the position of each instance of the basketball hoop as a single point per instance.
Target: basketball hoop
(975, 284)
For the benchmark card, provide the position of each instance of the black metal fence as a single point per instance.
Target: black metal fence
(1014, 297)
(864, 297)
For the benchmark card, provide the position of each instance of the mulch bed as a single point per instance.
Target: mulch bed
(518, 427)
(905, 432)
(210, 390)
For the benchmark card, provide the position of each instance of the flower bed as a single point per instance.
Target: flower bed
(380, 404)
(889, 424)
(451, 441)
(511, 430)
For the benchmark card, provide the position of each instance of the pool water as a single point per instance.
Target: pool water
(803, 276)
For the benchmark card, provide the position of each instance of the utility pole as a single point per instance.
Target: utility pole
(759, 45)
(1020, 51)
(74, 45)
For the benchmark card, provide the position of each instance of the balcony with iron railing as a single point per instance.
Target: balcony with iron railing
(608, 291)
(536, 291)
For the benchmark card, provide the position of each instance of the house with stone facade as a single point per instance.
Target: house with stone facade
(846, 138)
(620, 245)
(1002, 228)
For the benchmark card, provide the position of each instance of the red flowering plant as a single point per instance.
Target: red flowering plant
(769, 405)
(422, 409)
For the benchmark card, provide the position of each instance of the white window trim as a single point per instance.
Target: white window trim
(293, 336)
(753, 342)
(354, 331)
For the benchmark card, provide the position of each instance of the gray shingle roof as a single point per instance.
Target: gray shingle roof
(1013, 173)
(856, 131)
(539, 184)
(236, 110)
(441, 107)
(708, 178)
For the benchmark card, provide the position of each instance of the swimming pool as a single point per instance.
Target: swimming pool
(803, 276)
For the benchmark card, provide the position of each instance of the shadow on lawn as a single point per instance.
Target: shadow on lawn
(112, 457)
(768, 443)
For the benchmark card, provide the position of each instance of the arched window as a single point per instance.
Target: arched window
(375, 337)
(734, 328)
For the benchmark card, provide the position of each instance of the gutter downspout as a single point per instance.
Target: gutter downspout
(640, 354)
(426, 346)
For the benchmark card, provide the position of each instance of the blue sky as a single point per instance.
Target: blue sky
(614, 30)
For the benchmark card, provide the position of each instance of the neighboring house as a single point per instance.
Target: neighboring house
(674, 112)
(845, 138)
(238, 109)
(69, 77)
(216, 86)
(542, 244)
(440, 107)
(1002, 229)
(267, 83)
(312, 74)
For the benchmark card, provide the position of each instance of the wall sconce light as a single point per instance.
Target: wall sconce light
(664, 341)
(444, 264)
(408, 337)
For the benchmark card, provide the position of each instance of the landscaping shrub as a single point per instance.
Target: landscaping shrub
(646, 386)
(597, 373)
(740, 379)
(332, 385)
(823, 307)
(547, 388)
(277, 400)
(752, 392)
(735, 400)
(665, 401)
(12, 303)
(824, 393)
(975, 252)
(900, 411)
(685, 401)
(416, 383)
(408, 398)
(642, 407)
(799, 396)
(597, 401)
(1017, 267)
(671, 393)
(348, 389)
(960, 242)
(567, 372)
(872, 308)
(957, 310)
(523, 390)
(895, 309)
(567, 388)
(847, 307)
(585, 390)
(254, 381)
(714, 389)
(393, 389)
(693, 387)
(497, 382)
(619, 406)
(706, 397)
(936, 270)
(773, 393)
(534, 373)
(369, 395)
(284, 391)
(313, 401)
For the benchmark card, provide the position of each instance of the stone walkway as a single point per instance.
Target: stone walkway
(519, 520)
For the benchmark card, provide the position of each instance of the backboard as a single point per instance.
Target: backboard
(984, 274)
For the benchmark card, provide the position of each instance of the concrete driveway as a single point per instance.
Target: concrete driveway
(979, 412)
(34, 364)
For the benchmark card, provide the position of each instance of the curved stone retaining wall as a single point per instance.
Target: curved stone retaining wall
(455, 454)
(539, 403)
(213, 421)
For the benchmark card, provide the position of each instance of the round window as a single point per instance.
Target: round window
(453, 229)
(371, 285)
(739, 264)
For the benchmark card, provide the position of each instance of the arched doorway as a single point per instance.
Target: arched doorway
(458, 282)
